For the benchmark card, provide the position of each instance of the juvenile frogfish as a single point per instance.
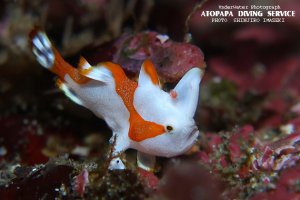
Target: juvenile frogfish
(140, 114)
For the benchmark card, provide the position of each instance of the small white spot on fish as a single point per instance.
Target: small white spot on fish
(162, 38)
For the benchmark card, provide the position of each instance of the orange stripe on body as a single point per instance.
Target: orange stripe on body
(139, 128)
(61, 68)
(150, 70)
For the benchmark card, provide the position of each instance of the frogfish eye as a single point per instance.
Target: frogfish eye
(169, 128)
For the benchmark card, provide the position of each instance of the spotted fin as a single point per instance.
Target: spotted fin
(68, 92)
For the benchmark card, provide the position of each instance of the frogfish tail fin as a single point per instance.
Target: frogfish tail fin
(47, 55)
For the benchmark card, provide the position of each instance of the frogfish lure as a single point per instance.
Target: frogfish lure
(140, 114)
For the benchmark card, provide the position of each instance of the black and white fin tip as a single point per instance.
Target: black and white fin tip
(42, 49)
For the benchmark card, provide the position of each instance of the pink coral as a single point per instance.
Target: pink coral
(171, 59)
(80, 182)
(150, 179)
(190, 181)
(279, 154)
(287, 187)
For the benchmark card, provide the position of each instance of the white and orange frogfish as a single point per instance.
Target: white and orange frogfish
(140, 114)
